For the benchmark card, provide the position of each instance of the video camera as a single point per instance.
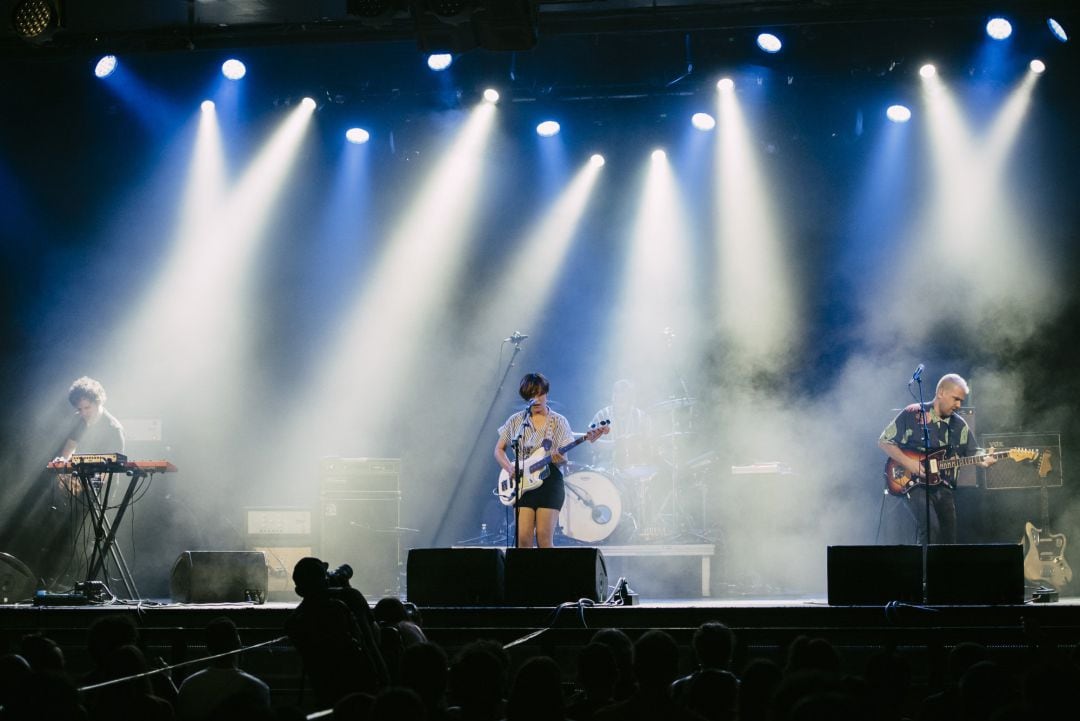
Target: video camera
(339, 576)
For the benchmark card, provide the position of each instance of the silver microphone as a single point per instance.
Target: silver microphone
(515, 337)
(918, 373)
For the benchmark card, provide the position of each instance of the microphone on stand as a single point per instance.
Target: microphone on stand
(515, 337)
(917, 374)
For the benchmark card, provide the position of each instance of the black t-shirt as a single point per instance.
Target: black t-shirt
(104, 436)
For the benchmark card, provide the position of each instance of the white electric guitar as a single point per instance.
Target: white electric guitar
(535, 467)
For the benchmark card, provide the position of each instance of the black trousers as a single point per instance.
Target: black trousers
(942, 513)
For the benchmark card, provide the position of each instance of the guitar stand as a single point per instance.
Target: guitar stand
(105, 536)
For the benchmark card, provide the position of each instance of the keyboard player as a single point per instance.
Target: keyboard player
(95, 430)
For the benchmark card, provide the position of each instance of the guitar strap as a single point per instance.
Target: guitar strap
(538, 436)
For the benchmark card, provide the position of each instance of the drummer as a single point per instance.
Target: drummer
(627, 449)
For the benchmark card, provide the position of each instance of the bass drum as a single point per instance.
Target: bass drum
(592, 507)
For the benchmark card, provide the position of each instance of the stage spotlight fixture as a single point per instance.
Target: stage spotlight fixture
(207, 105)
(491, 95)
(440, 61)
(370, 9)
(34, 19)
(106, 66)
(547, 128)
(703, 121)
(1037, 66)
(898, 113)
(769, 43)
(449, 8)
(233, 69)
(999, 28)
(928, 71)
(658, 155)
(725, 84)
(308, 103)
(1057, 29)
(597, 160)
(357, 136)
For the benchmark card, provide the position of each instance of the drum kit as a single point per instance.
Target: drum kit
(630, 491)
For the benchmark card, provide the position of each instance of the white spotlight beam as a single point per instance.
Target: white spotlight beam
(405, 292)
(529, 275)
(657, 288)
(755, 288)
(196, 307)
(1002, 134)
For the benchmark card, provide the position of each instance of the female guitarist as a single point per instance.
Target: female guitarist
(534, 428)
(903, 442)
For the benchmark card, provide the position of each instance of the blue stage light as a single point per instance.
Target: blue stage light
(233, 69)
(769, 43)
(548, 128)
(106, 66)
(357, 136)
(1058, 30)
(703, 121)
(440, 61)
(898, 113)
(999, 28)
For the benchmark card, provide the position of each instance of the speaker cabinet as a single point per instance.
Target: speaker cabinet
(989, 573)
(218, 577)
(362, 531)
(960, 574)
(455, 576)
(1008, 474)
(874, 575)
(550, 576)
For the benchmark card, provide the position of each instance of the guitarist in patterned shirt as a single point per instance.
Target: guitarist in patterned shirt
(538, 509)
(947, 429)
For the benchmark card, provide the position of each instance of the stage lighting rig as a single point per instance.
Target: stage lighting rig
(460, 25)
(35, 20)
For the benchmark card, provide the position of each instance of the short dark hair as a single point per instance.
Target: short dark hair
(88, 388)
(221, 636)
(309, 575)
(533, 385)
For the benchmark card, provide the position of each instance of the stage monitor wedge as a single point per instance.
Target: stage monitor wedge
(455, 576)
(551, 576)
(219, 577)
(957, 574)
(874, 575)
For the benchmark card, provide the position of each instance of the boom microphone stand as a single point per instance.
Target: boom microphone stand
(517, 339)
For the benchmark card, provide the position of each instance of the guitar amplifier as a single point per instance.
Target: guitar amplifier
(284, 535)
(1007, 474)
(359, 475)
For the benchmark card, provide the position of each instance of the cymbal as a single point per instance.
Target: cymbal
(673, 404)
(675, 434)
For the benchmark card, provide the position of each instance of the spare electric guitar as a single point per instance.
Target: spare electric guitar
(898, 481)
(535, 467)
(1044, 558)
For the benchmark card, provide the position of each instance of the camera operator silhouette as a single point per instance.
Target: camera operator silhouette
(334, 630)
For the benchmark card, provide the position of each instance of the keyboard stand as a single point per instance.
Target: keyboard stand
(105, 530)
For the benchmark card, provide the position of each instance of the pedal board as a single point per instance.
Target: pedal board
(45, 598)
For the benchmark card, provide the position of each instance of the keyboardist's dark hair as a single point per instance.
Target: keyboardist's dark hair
(88, 388)
(533, 385)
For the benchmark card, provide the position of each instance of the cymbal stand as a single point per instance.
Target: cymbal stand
(671, 522)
